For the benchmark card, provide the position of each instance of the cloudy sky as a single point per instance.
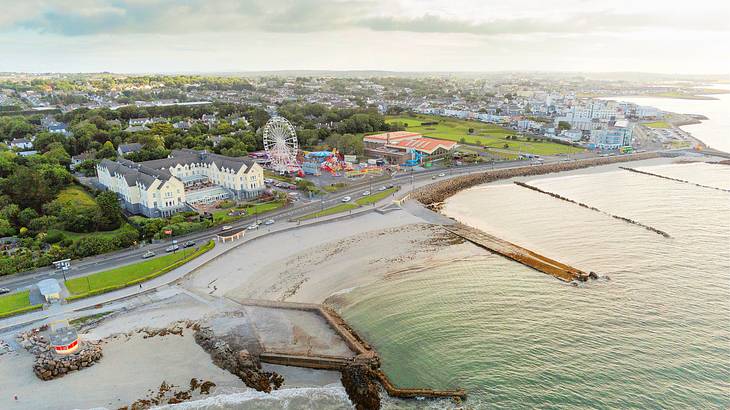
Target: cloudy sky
(666, 36)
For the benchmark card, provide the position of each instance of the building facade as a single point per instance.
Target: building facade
(187, 178)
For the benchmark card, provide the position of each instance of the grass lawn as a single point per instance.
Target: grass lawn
(657, 124)
(75, 236)
(14, 301)
(334, 187)
(485, 135)
(221, 216)
(76, 195)
(119, 277)
(329, 211)
(375, 197)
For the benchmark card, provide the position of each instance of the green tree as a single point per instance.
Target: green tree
(110, 213)
(563, 125)
(107, 151)
(27, 188)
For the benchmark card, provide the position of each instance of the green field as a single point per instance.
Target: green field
(657, 124)
(15, 303)
(75, 236)
(132, 274)
(484, 135)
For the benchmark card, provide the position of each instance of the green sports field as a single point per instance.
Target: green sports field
(484, 135)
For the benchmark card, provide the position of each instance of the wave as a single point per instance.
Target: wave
(331, 396)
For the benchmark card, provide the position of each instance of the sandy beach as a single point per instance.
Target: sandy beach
(312, 264)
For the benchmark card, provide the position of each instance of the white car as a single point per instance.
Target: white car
(4, 291)
(366, 193)
(346, 199)
(382, 188)
(269, 222)
(441, 175)
(253, 226)
(226, 228)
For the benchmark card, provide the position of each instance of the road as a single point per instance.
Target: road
(406, 180)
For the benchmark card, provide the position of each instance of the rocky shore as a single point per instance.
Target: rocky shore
(237, 360)
(434, 194)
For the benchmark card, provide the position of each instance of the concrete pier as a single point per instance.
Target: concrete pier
(519, 254)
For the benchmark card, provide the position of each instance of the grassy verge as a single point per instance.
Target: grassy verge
(16, 303)
(75, 236)
(129, 275)
(330, 211)
(221, 216)
(373, 198)
(657, 124)
(348, 206)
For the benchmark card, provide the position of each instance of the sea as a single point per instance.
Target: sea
(652, 332)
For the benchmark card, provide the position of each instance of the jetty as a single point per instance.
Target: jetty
(364, 354)
(519, 254)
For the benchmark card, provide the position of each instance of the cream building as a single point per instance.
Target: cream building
(180, 182)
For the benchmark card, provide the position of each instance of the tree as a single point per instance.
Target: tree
(107, 151)
(563, 125)
(27, 188)
(26, 216)
(110, 213)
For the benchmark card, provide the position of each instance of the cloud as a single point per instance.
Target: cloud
(90, 17)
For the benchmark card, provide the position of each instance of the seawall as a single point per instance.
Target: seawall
(440, 191)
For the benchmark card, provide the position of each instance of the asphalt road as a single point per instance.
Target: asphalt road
(111, 260)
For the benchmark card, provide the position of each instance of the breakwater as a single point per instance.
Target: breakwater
(440, 191)
(359, 373)
(673, 179)
(534, 260)
(592, 208)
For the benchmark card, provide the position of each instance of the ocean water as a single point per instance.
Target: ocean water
(654, 335)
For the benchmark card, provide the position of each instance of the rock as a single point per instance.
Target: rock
(361, 386)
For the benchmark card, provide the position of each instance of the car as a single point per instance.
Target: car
(389, 186)
(269, 222)
(441, 175)
(346, 199)
(366, 193)
(253, 226)
(188, 244)
(433, 177)
(172, 248)
(382, 188)
(4, 291)
(148, 254)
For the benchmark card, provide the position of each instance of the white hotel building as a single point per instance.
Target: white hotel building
(187, 178)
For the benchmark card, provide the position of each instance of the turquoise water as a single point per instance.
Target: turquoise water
(656, 335)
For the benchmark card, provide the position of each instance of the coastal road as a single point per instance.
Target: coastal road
(407, 181)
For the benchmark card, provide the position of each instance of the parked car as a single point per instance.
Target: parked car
(269, 222)
(366, 193)
(148, 254)
(172, 248)
(4, 291)
(226, 228)
(188, 244)
(346, 199)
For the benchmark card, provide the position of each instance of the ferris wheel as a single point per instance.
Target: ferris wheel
(280, 143)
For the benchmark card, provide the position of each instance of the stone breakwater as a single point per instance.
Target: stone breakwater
(672, 179)
(436, 193)
(48, 365)
(592, 208)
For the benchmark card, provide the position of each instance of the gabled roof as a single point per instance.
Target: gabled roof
(132, 147)
(189, 156)
(134, 173)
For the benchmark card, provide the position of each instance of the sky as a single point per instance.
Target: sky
(185, 36)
